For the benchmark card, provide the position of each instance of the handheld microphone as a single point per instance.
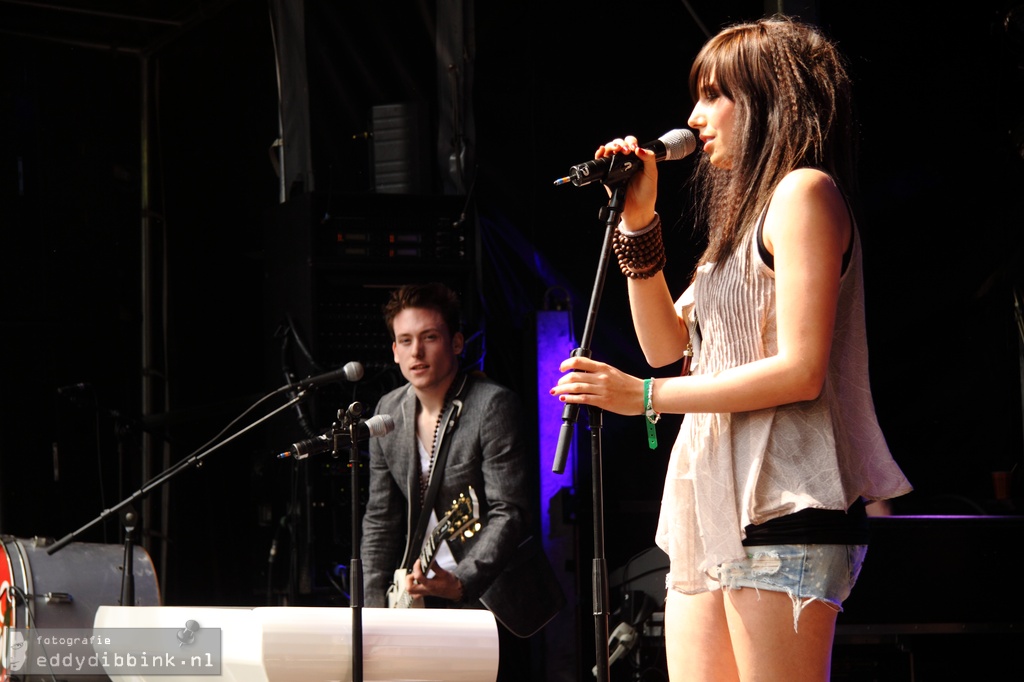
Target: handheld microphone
(672, 146)
(377, 425)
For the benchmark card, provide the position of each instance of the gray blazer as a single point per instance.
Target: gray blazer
(500, 567)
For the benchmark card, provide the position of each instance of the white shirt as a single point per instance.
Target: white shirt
(443, 557)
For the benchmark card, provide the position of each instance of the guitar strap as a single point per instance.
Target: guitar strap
(440, 456)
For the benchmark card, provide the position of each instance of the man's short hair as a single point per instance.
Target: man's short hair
(432, 296)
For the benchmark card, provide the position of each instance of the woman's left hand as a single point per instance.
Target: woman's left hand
(589, 382)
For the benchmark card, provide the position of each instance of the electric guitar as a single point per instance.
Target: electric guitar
(462, 521)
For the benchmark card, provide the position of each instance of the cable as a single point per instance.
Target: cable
(27, 601)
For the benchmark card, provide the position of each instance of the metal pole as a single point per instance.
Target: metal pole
(146, 295)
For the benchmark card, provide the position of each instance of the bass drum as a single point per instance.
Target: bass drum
(63, 589)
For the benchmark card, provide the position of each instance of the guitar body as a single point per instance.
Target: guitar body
(398, 598)
(461, 521)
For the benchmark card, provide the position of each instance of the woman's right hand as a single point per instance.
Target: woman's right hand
(638, 210)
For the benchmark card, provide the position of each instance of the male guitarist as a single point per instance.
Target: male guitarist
(475, 427)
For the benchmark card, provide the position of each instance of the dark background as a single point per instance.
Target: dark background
(942, 116)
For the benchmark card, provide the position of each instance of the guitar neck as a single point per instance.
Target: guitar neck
(463, 520)
(431, 545)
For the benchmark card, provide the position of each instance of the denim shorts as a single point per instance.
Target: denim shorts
(806, 573)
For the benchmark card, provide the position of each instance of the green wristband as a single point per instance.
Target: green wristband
(650, 416)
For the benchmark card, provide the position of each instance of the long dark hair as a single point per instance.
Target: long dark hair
(793, 109)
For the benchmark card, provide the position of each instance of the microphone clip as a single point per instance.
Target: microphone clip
(345, 428)
(351, 416)
(621, 167)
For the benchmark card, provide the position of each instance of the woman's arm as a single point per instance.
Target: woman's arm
(807, 229)
(660, 331)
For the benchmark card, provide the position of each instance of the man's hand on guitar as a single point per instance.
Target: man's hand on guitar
(443, 584)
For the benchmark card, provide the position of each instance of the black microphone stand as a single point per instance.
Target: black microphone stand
(128, 519)
(128, 579)
(610, 214)
(350, 420)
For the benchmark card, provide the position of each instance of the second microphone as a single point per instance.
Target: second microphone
(377, 425)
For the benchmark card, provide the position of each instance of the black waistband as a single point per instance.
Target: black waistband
(813, 526)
